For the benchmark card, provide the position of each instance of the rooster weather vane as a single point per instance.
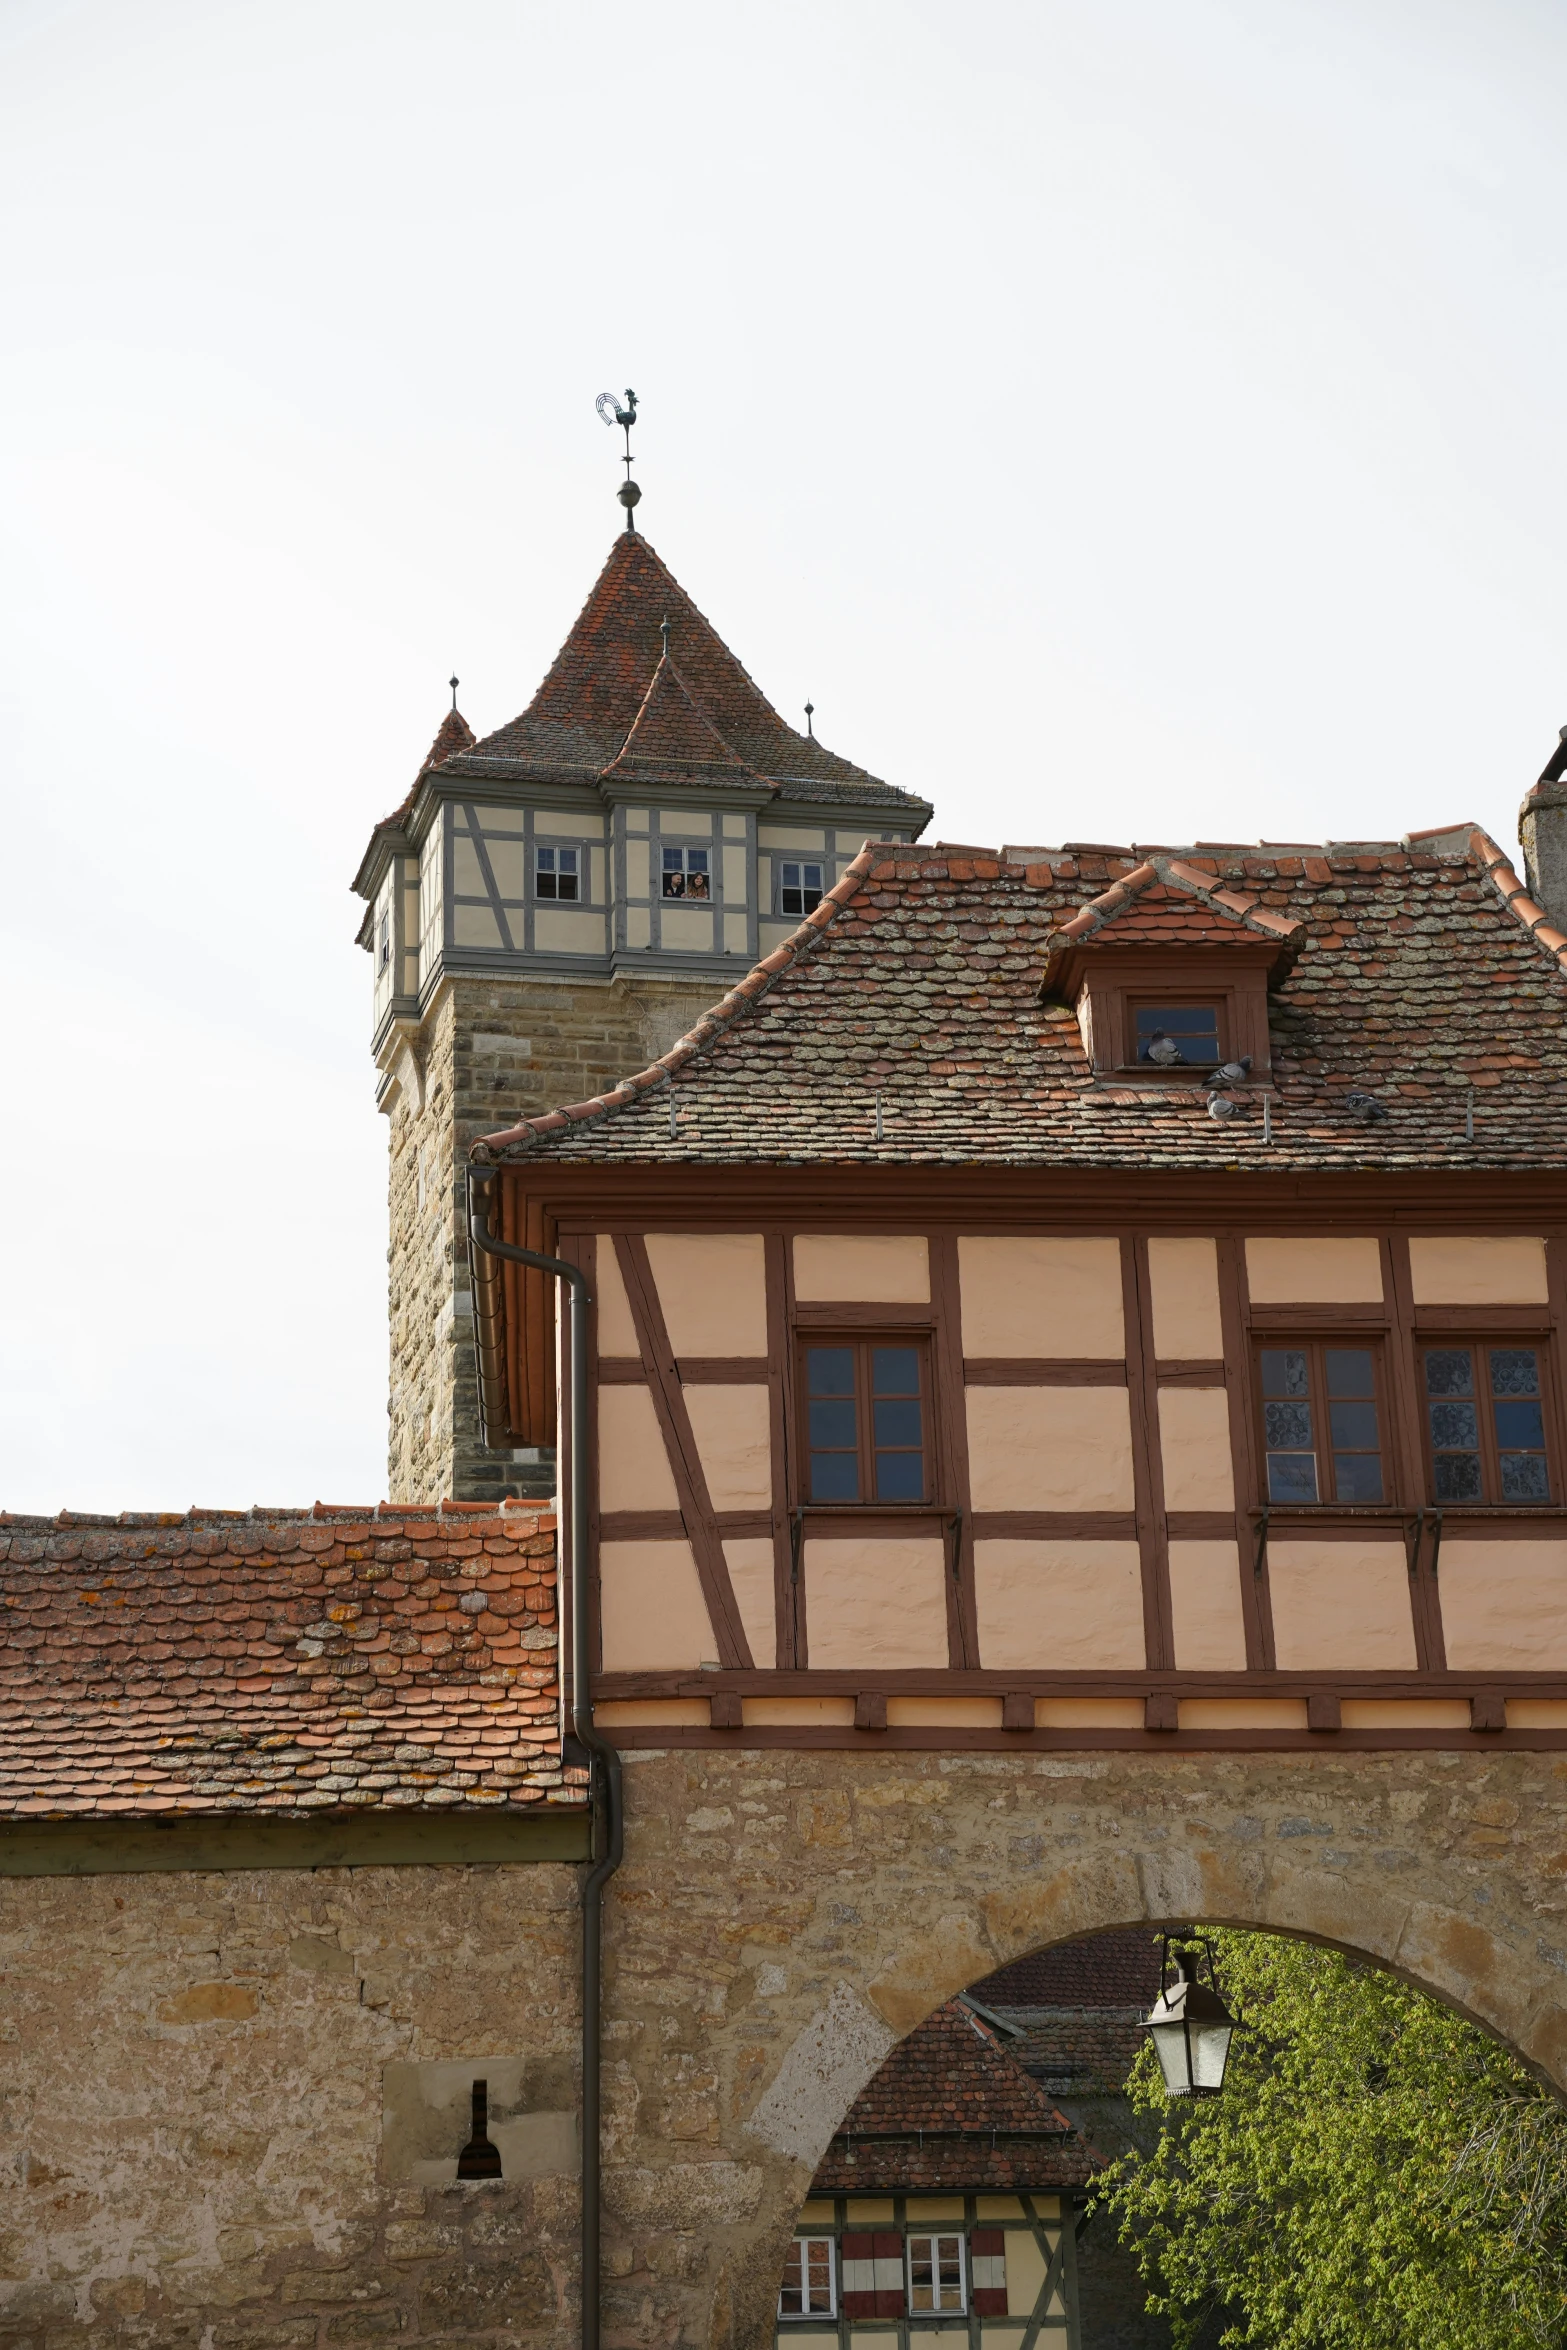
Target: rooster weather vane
(611, 412)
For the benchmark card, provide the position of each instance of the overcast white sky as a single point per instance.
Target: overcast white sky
(1123, 420)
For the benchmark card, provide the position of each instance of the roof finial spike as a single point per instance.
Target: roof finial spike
(810, 712)
(611, 411)
(452, 682)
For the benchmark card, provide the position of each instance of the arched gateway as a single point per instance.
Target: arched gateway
(1063, 1422)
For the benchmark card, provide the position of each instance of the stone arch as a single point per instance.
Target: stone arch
(1445, 1868)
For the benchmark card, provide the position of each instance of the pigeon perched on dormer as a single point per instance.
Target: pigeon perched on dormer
(1165, 1051)
(1233, 1072)
(1221, 1106)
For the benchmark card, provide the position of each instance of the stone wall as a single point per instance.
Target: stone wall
(488, 1052)
(196, 2066)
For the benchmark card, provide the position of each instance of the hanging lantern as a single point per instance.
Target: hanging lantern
(1190, 2026)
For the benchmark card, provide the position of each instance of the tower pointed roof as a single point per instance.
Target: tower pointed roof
(672, 736)
(453, 735)
(605, 683)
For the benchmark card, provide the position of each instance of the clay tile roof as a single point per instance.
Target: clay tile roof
(951, 2109)
(597, 687)
(454, 734)
(1103, 1971)
(1413, 973)
(291, 1661)
(672, 738)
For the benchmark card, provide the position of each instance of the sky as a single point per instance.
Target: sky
(1123, 421)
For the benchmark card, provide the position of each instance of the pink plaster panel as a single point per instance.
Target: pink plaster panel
(883, 1269)
(1341, 1605)
(713, 1289)
(1336, 1272)
(1504, 1269)
(1049, 1448)
(734, 1438)
(1024, 1296)
(651, 1610)
(634, 1472)
(1504, 1604)
(1183, 1277)
(1059, 1606)
(617, 1331)
(1205, 1603)
(750, 1563)
(872, 1600)
(1194, 1442)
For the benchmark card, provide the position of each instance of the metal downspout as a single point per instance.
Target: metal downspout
(605, 1797)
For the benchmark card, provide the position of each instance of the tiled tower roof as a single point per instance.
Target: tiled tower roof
(597, 689)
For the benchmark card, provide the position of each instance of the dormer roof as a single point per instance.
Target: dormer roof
(1163, 909)
(672, 739)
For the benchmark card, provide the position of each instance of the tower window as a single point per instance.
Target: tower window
(556, 873)
(686, 873)
(386, 937)
(799, 887)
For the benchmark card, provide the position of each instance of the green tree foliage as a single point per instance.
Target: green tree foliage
(1377, 2174)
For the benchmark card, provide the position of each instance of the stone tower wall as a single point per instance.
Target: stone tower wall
(488, 1052)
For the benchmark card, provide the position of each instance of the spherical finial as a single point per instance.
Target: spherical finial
(452, 682)
(629, 496)
(810, 712)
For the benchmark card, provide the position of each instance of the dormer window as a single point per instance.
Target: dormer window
(1176, 1036)
(1169, 974)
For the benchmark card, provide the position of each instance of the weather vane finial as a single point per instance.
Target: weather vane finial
(452, 682)
(611, 411)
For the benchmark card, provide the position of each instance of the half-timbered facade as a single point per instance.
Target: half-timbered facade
(1080, 1295)
(946, 2208)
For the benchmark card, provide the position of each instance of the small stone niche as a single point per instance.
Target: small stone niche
(427, 2118)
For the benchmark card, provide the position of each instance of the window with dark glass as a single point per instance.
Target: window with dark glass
(866, 1411)
(556, 873)
(1321, 1423)
(799, 887)
(1175, 1036)
(1485, 1423)
(686, 873)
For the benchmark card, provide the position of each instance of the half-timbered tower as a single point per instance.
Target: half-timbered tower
(552, 906)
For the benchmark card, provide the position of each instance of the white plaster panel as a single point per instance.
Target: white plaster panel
(467, 872)
(735, 939)
(734, 877)
(732, 1427)
(558, 931)
(1334, 1272)
(749, 1559)
(617, 1333)
(685, 930)
(1504, 1269)
(509, 864)
(692, 823)
(1504, 1605)
(793, 840)
(1183, 1277)
(574, 823)
(475, 926)
(1343, 1604)
(1194, 1445)
(634, 1472)
(1205, 1606)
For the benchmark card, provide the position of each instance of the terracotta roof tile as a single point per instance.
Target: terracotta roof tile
(1419, 972)
(157, 1665)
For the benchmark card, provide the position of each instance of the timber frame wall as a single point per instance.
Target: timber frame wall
(1157, 1704)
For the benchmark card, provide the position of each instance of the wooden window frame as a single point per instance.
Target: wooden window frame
(862, 1342)
(797, 2317)
(1105, 985)
(935, 2232)
(823, 865)
(1479, 1343)
(1314, 1345)
(584, 874)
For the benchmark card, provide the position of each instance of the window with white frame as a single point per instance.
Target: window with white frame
(386, 937)
(799, 886)
(687, 873)
(936, 2274)
(557, 873)
(808, 2284)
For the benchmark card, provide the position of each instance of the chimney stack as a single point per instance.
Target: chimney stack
(1542, 828)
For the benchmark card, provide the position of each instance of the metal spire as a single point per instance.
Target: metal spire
(810, 712)
(452, 682)
(611, 411)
